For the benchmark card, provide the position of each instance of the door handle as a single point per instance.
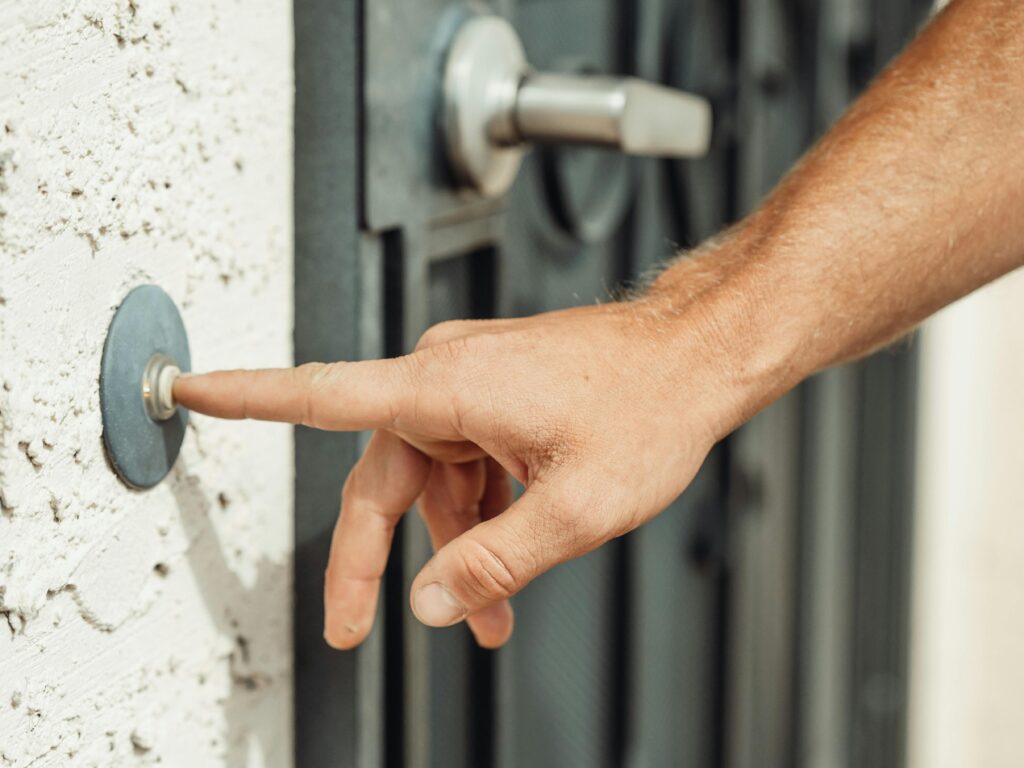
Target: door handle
(496, 106)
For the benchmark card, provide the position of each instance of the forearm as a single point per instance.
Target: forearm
(914, 199)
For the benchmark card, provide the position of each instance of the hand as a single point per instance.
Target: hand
(604, 414)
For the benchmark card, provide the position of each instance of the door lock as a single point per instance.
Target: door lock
(495, 106)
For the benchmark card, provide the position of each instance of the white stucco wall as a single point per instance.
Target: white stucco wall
(968, 619)
(142, 141)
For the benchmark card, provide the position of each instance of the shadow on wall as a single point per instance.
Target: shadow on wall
(259, 694)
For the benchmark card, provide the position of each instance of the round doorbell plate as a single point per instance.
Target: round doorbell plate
(146, 338)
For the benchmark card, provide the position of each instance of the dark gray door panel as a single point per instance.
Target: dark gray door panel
(709, 637)
(331, 689)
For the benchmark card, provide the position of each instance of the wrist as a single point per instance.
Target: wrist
(736, 319)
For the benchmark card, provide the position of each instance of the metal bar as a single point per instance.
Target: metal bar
(328, 727)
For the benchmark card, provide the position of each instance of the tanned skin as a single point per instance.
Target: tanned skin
(605, 413)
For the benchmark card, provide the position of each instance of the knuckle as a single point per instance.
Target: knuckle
(485, 574)
(453, 350)
(437, 362)
(410, 370)
(462, 362)
(436, 334)
(352, 490)
(355, 494)
(312, 373)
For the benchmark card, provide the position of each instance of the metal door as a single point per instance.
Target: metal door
(696, 640)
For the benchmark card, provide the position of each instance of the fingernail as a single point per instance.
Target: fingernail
(341, 643)
(435, 606)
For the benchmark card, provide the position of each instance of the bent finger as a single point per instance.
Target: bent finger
(497, 558)
(381, 487)
(450, 505)
(497, 490)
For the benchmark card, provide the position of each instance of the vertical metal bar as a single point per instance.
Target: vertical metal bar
(392, 327)
(828, 520)
(763, 535)
(883, 539)
(414, 277)
(370, 668)
(326, 199)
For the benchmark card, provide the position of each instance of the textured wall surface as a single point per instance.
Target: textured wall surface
(142, 141)
(968, 671)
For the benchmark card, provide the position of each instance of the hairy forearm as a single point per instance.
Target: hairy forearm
(913, 199)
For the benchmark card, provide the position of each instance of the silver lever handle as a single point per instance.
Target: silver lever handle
(634, 116)
(495, 106)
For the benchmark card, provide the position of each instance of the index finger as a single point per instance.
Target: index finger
(349, 397)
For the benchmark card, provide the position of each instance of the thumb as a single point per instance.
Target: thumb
(497, 558)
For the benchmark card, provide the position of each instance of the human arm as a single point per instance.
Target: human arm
(605, 413)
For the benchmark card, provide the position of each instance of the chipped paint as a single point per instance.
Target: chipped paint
(142, 141)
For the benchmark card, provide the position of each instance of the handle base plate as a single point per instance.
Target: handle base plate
(485, 65)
